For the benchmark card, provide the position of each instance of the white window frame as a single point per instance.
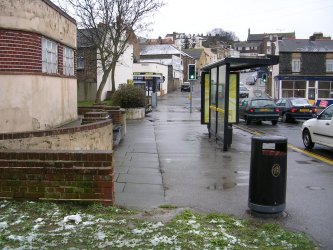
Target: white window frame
(329, 65)
(49, 56)
(68, 61)
(296, 65)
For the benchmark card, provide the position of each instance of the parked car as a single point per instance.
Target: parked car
(295, 108)
(258, 109)
(319, 130)
(186, 86)
(243, 92)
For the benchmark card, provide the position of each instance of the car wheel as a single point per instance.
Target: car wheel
(274, 122)
(247, 120)
(307, 141)
(284, 118)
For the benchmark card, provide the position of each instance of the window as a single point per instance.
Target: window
(80, 62)
(296, 65)
(325, 89)
(293, 89)
(327, 114)
(49, 56)
(68, 61)
(329, 65)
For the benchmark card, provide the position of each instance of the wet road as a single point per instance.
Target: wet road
(293, 132)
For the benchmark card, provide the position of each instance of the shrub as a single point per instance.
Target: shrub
(129, 96)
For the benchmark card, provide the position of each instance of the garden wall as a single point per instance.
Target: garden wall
(73, 163)
(57, 175)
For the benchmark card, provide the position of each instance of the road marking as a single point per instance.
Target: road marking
(310, 154)
(305, 152)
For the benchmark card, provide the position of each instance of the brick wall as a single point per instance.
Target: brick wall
(311, 63)
(57, 175)
(60, 60)
(73, 163)
(117, 114)
(20, 51)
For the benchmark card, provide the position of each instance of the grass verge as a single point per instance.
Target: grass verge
(46, 225)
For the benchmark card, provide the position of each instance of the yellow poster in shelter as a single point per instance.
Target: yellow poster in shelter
(232, 98)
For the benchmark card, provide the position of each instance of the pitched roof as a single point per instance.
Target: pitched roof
(305, 45)
(247, 44)
(260, 37)
(159, 49)
(195, 53)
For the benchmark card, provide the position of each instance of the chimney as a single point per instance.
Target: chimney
(316, 35)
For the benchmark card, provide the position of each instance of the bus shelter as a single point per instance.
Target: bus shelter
(220, 94)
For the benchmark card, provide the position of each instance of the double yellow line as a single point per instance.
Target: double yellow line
(310, 154)
(305, 152)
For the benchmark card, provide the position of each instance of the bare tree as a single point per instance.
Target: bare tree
(109, 25)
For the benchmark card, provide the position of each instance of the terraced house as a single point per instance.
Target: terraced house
(305, 69)
(38, 87)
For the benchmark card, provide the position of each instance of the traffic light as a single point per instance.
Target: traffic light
(191, 72)
(264, 77)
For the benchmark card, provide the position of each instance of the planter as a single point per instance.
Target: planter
(135, 113)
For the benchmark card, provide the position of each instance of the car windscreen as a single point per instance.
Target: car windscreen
(243, 88)
(299, 102)
(262, 103)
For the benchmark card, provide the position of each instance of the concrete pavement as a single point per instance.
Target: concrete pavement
(168, 158)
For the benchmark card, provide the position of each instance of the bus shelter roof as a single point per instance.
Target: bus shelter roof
(242, 63)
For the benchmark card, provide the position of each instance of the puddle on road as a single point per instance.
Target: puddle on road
(228, 182)
(226, 185)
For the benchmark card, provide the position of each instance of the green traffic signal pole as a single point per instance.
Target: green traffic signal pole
(190, 96)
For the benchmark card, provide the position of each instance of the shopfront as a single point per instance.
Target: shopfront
(220, 94)
(318, 90)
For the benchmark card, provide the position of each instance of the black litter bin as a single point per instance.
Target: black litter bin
(268, 174)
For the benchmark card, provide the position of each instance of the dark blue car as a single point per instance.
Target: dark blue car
(294, 108)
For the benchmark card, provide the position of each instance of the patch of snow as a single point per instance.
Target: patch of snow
(16, 238)
(69, 227)
(3, 225)
(162, 239)
(39, 220)
(157, 225)
(194, 224)
(35, 227)
(238, 223)
(232, 239)
(100, 235)
(17, 222)
(196, 232)
(88, 223)
(76, 218)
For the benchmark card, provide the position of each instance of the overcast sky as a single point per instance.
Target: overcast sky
(262, 16)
